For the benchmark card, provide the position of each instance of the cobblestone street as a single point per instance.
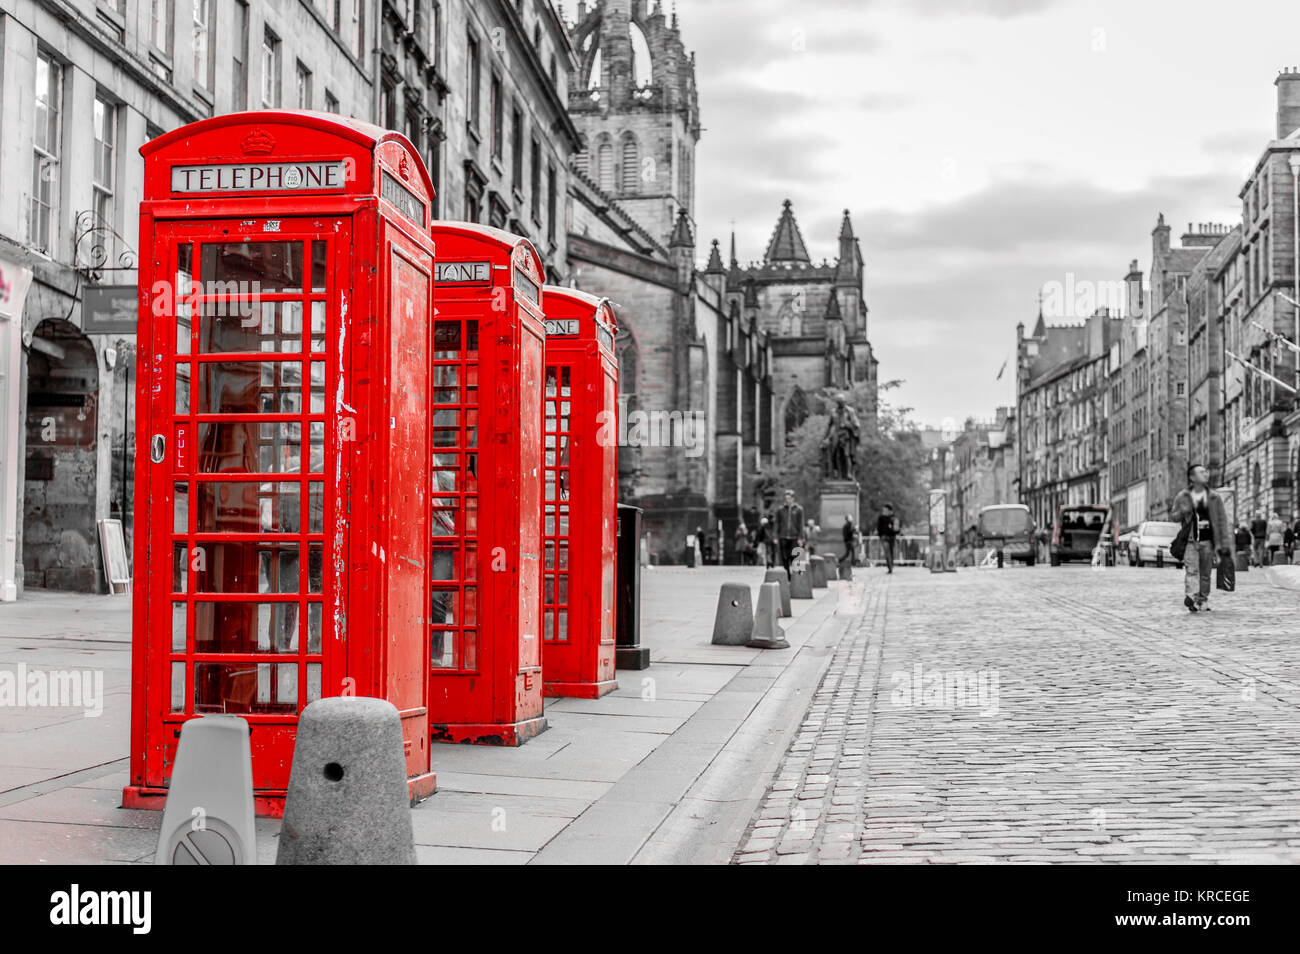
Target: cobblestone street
(1047, 715)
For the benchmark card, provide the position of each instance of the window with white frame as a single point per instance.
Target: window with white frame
(239, 61)
(303, 86)
(205, 46)
(270, 70)
(43, 213)
(104, 174)
(160, 25)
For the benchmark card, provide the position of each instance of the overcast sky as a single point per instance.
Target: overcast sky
(983, 147)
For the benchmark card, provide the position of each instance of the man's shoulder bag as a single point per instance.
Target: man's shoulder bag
(1179, 547)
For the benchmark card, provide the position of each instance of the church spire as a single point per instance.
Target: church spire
(681, 237)
(786, 245)
(715, 260)
(1040, 328)
(846, 227)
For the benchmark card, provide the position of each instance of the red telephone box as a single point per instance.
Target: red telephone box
(579, 526)
(281, 539)
(485, 679)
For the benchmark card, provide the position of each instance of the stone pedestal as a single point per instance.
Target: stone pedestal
(839, 498)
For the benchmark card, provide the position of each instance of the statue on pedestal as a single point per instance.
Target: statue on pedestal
(840, 445)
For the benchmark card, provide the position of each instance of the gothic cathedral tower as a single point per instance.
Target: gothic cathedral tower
(635, 103)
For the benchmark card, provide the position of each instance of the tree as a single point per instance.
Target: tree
(891, 461)
(801, 465)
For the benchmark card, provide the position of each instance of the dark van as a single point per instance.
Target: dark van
(1078, 530)
(1009, 528)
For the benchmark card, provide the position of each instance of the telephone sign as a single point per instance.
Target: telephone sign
(259, 177)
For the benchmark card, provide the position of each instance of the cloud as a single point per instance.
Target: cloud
(999, 9)
(1057, 216)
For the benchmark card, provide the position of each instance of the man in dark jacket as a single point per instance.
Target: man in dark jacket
(887, 530)
(789, 529)
(1201, 510)
(1258, 533)
(850, 534)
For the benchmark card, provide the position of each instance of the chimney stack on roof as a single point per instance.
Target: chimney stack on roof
(1288, 101)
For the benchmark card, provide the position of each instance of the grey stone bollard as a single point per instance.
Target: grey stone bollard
(817, 570)
(734, 621)
(208, 819)
(767, 629)
(800, 582)
(778, 576)
(348, 802)
(846, 570)
(832, 568)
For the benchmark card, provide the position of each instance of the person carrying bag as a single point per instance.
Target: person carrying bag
(1203, 535)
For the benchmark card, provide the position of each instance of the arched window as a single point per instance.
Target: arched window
(631, 165)
(789, 319)
(796, 412)
(593, 78)
(605, 165)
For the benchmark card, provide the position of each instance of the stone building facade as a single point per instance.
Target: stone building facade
(1127, 407)
(979, 470)
(695, 366)
(1062, 386)
(84, 84)
(718, 349)
(1261, 419)
(1212, 294)
(815, 314)
(481, 88)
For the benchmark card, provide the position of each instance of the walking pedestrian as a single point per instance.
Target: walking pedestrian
(850, 535)
(789, 529)
(1288, 543)
(1258, 533)
(1242, 540)
(742, 544)
(763, 541)
(887, 530)
(1205, 523)
(1276, 533)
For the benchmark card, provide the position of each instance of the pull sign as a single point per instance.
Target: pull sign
(157, 448)
(181, 449)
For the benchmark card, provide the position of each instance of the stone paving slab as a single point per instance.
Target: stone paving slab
(595, 786)
(1122, 727)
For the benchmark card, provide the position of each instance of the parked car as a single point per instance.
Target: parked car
(1150, 542)
(1009, 528)
(1078, 530)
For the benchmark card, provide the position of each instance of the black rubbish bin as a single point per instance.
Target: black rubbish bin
(628, 651)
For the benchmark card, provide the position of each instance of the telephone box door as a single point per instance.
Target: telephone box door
(241, 355)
